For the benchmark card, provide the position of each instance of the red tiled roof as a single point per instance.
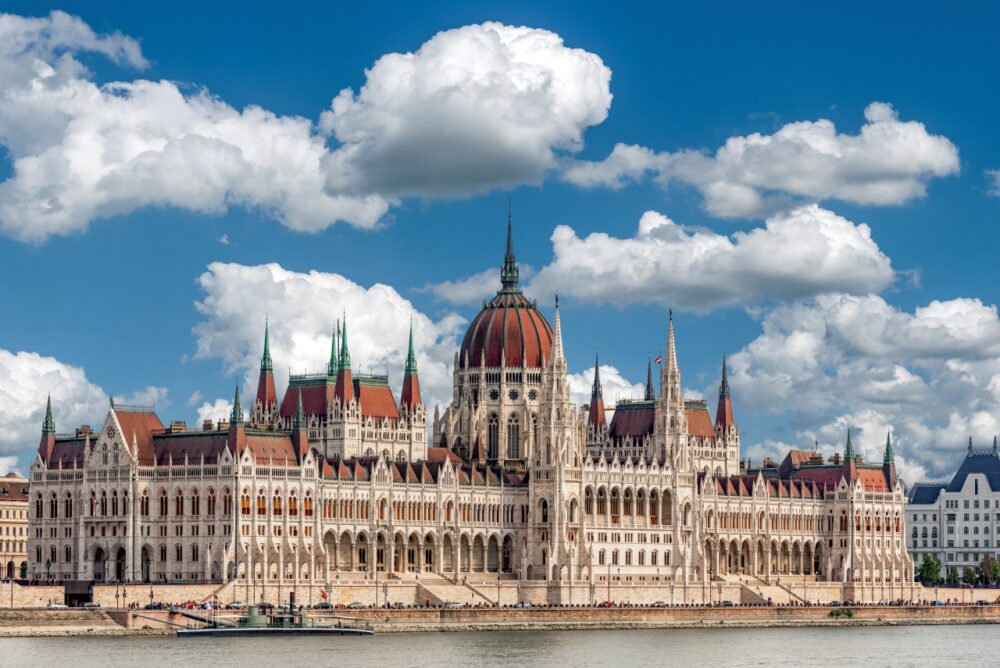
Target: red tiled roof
(410, 395)
(173, 447)
(633, 419)
(276, 448)
(68, 453)
(266, 393)
(509, 326)
(699, 421)
(13, 489)
(376, 400)
(316, 398)
(441, 454)
(142, 424)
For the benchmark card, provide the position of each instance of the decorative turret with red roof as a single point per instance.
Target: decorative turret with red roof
(267, 397)
(48, 440)
(724, 412)
(344, 389)
(596, 418)
(410, 396)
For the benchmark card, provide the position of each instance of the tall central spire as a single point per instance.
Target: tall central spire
(411, 359)
(345, 354)
(650, 395)
(48, 425)
(596, 390)
(331, 367)
(265, 360)
(509, 272)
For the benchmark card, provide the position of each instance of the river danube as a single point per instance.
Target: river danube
(897, 646)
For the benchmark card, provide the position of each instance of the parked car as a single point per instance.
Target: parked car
(522, 604)
(91, 606)
(55, 605)
(235, 605)
(455, 605)
(356, 605)
(658, 604)
(323, 605)
(606, 604)
(727, 604)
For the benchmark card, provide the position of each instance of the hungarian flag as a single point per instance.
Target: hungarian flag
(322, 594)
(658, 358)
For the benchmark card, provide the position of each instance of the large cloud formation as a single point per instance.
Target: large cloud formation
(302, 309)
(800, 253)
(27, 378)
(888, 162)
(474, 108)
(931, 376)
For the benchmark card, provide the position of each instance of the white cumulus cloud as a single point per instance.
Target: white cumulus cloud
(888, 162)
(27, 378)
(800, 253)
(931, 376)
(474, 108)
(302, 309)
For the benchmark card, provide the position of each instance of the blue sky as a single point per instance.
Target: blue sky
(857, 292)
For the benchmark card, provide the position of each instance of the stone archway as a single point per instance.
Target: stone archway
(99, 563)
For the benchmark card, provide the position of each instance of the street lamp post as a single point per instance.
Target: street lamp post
(518, 573)
(671, 594)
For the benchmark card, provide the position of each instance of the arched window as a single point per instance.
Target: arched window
(144, 503)
(276, 505)
(600, 558)
(53, 507)
(261, 504)
(227, 502)
(210, 504)
(194, 553)
(245, 504)
(179, 504)
(513, 437)
(195, 503)
(493, 438)
(163, 503)
(68, 505)
(307, 505)
(293, 505)
(179, 551)
(104, 503)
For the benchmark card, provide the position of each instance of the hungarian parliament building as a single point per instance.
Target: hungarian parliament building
(339, 478)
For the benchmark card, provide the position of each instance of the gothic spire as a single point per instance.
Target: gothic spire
(509, 271)
(299, 420)
(889, 457)
(265, 360)
(236, 417)
(650, 393)
(671, 347)
(49, 425)
(411, 359)
(995, 451)
(724, 386)
(331, 367)
(596, 391)
(557, 347)
(849, 450)
(345, 355)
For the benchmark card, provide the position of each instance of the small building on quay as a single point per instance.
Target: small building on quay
(14, 526)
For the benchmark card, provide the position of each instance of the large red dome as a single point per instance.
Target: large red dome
(509, 326)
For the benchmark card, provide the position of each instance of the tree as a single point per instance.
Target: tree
(996, 570)
(970, 576)
(929, 570)
(24, 570)
(952, 575)
(986, 568)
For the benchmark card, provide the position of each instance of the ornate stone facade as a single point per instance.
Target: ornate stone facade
(338, 479)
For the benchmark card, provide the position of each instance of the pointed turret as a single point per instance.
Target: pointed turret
(724, 411)
(236, 415)
(889, 462)
(596, 417)
(331, 367)
(970, 445)
(267, 397)
(849, 449)
(996, 453)
(557, 341)
(410, 395)
(509, 271)
(344, 389)
(237, 439)
(650, 394)
(670, 376)
(300, 430)
(48, 441)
